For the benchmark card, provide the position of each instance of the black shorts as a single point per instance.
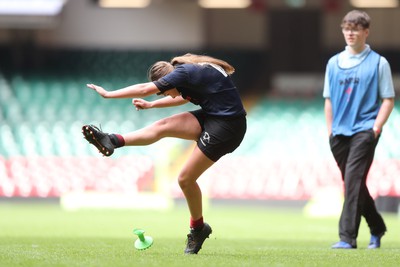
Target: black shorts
(220, 135)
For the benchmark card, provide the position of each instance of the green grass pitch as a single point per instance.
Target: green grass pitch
(46, 235)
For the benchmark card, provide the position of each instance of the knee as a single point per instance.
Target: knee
(186, 181)
(161, 123)
(157, 129)
(183, 183)
(161, 126)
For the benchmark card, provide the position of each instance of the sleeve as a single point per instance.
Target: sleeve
(163, 85)
(386, 88)
(176, 78)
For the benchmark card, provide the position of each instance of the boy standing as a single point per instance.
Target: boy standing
(359, 97)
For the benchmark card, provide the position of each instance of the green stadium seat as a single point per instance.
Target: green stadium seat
(42, 113)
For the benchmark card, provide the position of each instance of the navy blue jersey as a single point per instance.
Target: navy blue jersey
(206, 85)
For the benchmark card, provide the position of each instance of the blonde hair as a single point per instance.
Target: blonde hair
(162, 68)
(193, 58)
(159, 70)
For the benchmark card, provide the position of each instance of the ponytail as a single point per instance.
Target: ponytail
(193, 59)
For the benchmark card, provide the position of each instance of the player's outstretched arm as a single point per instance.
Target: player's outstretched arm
(159, 103)
(136, 90)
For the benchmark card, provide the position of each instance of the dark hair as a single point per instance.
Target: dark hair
(356, 18)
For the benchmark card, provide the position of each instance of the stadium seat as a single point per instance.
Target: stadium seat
(42, 112)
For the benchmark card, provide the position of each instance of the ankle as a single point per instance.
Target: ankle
(197, 224)
(117, 140)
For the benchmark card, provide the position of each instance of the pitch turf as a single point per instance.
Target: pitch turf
(46, 235)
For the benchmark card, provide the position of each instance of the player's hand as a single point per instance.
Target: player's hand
(100, 90)
(141, 103)
(376, 134)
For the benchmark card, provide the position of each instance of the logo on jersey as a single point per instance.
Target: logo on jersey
(348, 82)
(205, 139)
(348, 93)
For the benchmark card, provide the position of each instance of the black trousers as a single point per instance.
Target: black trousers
(354, 156)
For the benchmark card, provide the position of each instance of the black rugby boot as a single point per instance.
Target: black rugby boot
(196, 238)
(99, 139)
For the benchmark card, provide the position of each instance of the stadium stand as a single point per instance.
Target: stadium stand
(285, 153)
